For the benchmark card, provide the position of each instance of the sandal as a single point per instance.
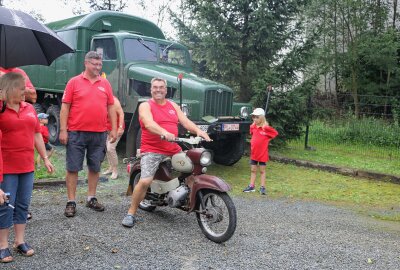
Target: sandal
(4, 254)
(24, 249)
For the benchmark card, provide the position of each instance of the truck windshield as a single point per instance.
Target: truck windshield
(140, 50)
(172, 55)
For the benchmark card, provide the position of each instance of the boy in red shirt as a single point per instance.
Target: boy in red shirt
(43, 119)
(261, 133)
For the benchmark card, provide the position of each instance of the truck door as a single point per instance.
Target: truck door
(107, 48)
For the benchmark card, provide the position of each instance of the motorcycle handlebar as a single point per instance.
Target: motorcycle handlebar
(190, 140)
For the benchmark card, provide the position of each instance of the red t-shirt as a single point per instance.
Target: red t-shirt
(18, 141)
(89, 103)
(260, 141)
(28, 84)
(1, 161)
(45, 133)
(167, 118)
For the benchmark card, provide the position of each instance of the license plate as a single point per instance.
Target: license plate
(230, 127)
(203, 127)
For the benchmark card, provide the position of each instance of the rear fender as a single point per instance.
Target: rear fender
(204, 181)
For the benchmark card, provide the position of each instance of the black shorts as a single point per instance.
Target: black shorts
(255, 162)
(94, 143)
(48, 147)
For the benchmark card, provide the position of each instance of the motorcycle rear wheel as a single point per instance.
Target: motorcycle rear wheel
(145, 204)
(218, 220)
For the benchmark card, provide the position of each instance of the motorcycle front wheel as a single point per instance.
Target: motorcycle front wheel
(218, 218)
(145, 204)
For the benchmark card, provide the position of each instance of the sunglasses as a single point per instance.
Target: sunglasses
(255, 116)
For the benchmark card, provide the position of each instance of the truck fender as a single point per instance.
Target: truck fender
(204, 181)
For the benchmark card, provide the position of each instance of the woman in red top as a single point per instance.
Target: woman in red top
(21, 133)
(261, 133)
(2, 195)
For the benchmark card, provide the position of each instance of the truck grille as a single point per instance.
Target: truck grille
(218, 103)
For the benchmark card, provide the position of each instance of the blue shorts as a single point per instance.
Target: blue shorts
(255, 162)
(94, 143)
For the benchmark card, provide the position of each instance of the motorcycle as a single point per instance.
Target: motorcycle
(181, 182)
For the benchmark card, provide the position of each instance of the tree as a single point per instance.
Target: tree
(116, 5)
(250, 44)
(234, 41)
(358, 44)
(93, 5)
(159, 9)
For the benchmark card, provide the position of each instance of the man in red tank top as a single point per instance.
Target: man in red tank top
(158, 117)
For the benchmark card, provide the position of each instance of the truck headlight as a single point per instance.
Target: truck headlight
(185, 110)
(205, 159)
(244, 112)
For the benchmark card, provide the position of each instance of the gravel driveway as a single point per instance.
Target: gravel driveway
(271, 234)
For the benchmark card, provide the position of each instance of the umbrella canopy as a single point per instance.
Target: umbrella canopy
(25, 41)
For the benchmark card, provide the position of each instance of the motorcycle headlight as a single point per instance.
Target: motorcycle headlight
(185, 110)
(205, 159)
(244, 112)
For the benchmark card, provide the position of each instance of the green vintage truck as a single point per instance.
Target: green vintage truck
(134, 51)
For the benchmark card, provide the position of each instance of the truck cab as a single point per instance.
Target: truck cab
(134, 51)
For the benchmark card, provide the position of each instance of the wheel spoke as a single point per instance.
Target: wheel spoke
(216, 217)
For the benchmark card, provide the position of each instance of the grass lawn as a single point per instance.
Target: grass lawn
(58, 161)
(378, 199)
(353, 156)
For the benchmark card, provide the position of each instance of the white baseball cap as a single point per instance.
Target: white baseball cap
(258, 111)
(43, 116)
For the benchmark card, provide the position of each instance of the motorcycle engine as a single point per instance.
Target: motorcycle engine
(177, 196)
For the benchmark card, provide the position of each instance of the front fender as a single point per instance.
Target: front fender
(204, 181)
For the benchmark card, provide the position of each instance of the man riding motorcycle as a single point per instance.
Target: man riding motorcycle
(158, 118)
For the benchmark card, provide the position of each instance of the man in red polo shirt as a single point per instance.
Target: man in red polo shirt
(86, 104)
(30, 91)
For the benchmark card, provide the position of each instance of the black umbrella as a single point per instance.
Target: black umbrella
(25, 41)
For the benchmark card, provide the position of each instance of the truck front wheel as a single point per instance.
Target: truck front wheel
(38, 108)
(54, 123)
(230, 150)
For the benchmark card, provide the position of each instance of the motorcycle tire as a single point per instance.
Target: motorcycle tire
(145, 204)
(218, 220)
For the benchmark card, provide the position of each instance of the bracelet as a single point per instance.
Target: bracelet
(45, 157)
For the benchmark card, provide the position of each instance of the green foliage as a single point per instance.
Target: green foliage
(287, 110)
(248, 45)
(365, 131)
(358, 46)
(235, 41)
